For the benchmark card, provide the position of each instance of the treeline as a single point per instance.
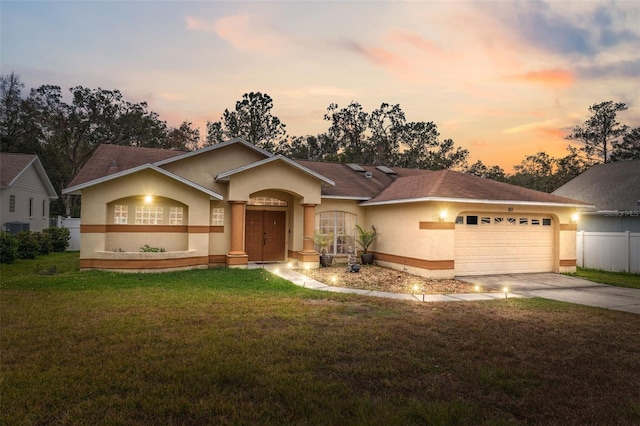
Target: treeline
(65, 134)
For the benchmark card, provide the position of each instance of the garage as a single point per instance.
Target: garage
(503, 244)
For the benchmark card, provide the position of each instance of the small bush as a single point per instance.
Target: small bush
(44, 240)
(28, 245)
(148, 249)
(59, 238)
(8, 247)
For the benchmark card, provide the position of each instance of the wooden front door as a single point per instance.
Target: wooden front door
(265, 235)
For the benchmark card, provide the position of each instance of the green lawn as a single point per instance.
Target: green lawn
(620, 279)
(245, 347)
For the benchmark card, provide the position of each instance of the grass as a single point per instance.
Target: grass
(245, 347)
(620, 279)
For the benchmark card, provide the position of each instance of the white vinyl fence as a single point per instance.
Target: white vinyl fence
(609, 251)
(73, 223)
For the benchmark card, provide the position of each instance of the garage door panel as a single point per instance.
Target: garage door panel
(503, 245)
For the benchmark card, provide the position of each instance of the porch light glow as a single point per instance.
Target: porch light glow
(443, 214)
(575, 217)
(476, 287)
(148, 199)
(506, 291)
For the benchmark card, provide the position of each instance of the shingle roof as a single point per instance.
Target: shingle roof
(372, 186)
(461, 186)
(608, 186)
(352, 184)
(11, 165)
(108, 159)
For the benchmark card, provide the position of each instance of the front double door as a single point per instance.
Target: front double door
(265, 234)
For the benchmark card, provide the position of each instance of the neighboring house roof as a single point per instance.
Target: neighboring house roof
(447, 185)
(369, 184)
(12, 166)
(608, 186)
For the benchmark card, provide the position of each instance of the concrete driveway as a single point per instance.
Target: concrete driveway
(565, 289)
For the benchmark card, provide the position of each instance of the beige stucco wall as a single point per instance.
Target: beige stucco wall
(97, 209)
(203, 168)
(276, 175)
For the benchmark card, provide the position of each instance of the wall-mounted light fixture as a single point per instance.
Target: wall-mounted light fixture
(148, 199)
(443, 215)
(575, 217)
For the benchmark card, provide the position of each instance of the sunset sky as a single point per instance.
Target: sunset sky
(502, 79)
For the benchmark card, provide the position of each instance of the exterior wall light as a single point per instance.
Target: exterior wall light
(148, 199)
(443, 215)
(575, 217)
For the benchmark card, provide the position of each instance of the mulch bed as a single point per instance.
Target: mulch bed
(377, 278)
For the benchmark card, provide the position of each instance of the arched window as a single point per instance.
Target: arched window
(342, 225)
(266, 201)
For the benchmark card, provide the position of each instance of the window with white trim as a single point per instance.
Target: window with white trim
(217, 216)
(266, 201)
(175, 215)
(343, 227)
(149, 215)
(120, 214)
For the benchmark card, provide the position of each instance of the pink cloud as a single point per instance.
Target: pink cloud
(244, 32)
(553, 77)
(381, 57)
(415, 40)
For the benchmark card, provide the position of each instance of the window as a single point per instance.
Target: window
(12, 203)
(30, 207)
(511, 220)
(485, 220)
(535, 221)
(342, 225)
(524, 221)
(175, 216)
(498, 220)
(217, 216)
(459, 220)
(266, 201)
(546, 222)
(120, 214)
(472, 220)
(44, 208)
(149, 215)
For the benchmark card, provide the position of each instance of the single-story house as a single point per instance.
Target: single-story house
(234, 203)
(613, 190)
(25, 193)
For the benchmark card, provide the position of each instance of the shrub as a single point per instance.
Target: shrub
(59, 238)
(8, 247)
(148, 249)
(44, 240)
(28, 245)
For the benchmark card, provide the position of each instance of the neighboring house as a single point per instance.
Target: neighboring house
(609, 230)
(614, 191)
(25, 193)
(233, 203)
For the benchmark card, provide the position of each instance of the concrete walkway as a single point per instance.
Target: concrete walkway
(565, 289)
(303, 281)
(546, 285)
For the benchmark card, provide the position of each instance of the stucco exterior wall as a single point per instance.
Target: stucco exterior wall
(274, 176)
(203, 168)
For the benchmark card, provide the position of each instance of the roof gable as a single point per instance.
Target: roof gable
(608, 186)
(117, 175)
(13, 165)
(278, 158)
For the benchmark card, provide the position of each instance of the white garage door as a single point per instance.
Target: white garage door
(500, 244)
